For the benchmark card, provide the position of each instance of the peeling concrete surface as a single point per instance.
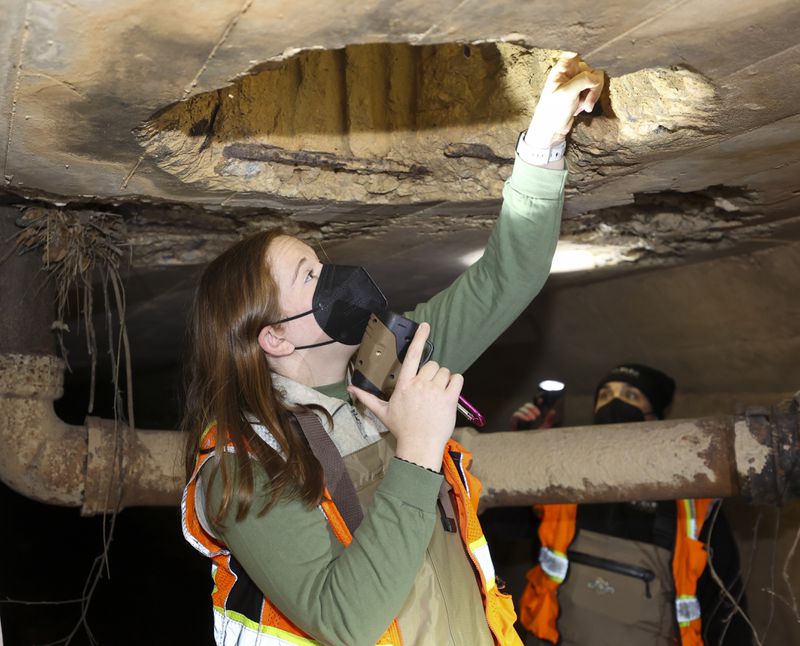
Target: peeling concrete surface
(85, 75)
(665, 225)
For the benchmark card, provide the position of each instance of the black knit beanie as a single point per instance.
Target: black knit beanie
(654, 384)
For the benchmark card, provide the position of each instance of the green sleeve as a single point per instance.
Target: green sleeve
(468, 316)
(335, 594)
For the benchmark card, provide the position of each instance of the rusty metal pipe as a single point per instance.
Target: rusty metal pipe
(41, 456)
(151, 472)
(91, 466)
(753, 454)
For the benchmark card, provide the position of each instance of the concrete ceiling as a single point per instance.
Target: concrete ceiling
(384, 131)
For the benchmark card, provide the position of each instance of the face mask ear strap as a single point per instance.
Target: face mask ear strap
(314, 345)
(291, 318)
(299, 316)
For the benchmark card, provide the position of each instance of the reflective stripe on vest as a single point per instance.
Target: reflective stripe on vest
(538, 607)
(555, 564)
(456, 462)
(687, 609)
(480, 550)
(498, 608)
(690, 509)
(234, 628)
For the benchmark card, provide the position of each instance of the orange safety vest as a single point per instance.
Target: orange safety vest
(539, 602)
(231, 625)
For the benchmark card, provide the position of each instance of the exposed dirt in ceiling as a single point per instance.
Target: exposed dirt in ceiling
(400, 123)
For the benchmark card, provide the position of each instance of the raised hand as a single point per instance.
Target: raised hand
(528, 412)
(571, 87)
(421, 413)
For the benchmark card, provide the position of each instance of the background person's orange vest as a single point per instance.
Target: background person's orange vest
(539, 602)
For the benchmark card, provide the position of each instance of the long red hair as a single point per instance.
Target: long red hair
(229, 380)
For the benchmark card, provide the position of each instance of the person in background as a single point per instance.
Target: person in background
(633, 573)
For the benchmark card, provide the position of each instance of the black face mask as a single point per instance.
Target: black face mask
(618, 412)
(343, 300)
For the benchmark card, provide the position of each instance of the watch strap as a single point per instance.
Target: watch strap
(539, 156)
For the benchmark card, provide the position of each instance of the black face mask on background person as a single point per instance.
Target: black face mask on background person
(618, 412)
(343, 300)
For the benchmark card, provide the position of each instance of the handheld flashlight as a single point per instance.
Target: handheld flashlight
(547, 397)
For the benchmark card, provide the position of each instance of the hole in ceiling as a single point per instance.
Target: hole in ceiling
(357, 123)
(399, 123)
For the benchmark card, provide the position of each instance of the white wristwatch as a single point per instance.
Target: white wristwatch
(539, 156)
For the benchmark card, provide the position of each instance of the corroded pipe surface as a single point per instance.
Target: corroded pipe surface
(41, 457)
(768, 451)
(755, 454)
(642, 461)
(132, 470)
(102, 468)
(96, 467)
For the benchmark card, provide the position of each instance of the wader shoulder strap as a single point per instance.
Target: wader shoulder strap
(337, 480)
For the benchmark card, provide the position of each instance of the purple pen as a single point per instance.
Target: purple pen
(470, 412)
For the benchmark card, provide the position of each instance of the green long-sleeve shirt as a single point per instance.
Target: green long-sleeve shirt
(349, 596)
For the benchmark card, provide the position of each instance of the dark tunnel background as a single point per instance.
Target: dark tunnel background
(157, 588)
